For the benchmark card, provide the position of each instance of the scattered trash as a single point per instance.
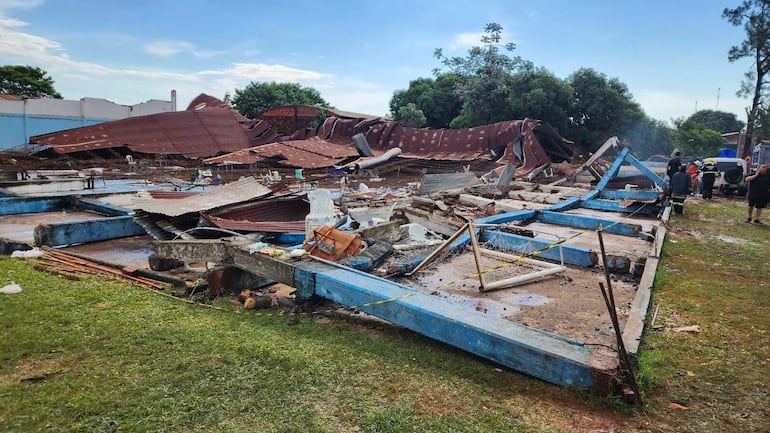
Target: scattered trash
(28, 254)
(691, 328)
(11, 289)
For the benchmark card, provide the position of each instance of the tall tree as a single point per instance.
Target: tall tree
(486, 78)
(257, 97)
(717, 120)
(538, 94)
(602, 107)
(754, 16)
(27, 82)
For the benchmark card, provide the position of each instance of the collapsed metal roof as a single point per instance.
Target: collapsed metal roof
(210, 128)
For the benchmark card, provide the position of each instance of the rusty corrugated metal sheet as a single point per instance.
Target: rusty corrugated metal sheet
(312, 153)
(195, 134)
(272, 216)
(236, 192)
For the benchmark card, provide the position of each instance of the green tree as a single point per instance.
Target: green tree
(717, 120)
(754, 16)
(410, 115)
(27, 82)
(435, 98)
(257, 97)
(538, 94)
(602, 107)
(699, 142)
(485, 82)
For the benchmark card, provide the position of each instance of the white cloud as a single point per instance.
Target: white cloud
(9, 5)
(172, 48)
(464, 41)
(76, 79)
(168, 48)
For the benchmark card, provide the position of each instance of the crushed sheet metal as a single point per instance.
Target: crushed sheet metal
(311, 153)
(526, 144)
(272, 216)
(242, 190)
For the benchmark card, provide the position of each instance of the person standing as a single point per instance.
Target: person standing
(693, 170)
(759, 184)
(709, 173)
(680, 189)
(674, 163)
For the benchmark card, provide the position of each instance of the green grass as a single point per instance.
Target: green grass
(96, 355)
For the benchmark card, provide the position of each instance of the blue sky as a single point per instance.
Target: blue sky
(671, 54)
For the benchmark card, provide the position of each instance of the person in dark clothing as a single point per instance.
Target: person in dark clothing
(759, 186)
(680, 189)
(709, 173)
(673, 165)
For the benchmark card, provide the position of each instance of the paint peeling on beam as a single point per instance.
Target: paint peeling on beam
(20, 205)
(83, 232)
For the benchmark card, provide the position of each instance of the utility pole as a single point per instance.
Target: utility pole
(718, 90)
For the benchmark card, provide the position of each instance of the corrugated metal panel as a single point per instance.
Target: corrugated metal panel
(193, 133)
(273, 216)
(312, 153)
(243, 190)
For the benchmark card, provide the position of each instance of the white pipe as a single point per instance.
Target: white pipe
(521, 279)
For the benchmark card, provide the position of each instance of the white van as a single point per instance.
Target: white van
(732, 172)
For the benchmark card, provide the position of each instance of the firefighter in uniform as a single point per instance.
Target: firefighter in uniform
(709, 173)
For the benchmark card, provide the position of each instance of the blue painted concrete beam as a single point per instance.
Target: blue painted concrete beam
(19, 205)
(613, 206)
(613, 170)
(549, 357)
(588, 222)
(101, 207)
(524, 245)
(81, 232)
(568, 204)
(631, 195)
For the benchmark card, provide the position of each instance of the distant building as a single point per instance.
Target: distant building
(21, 119)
